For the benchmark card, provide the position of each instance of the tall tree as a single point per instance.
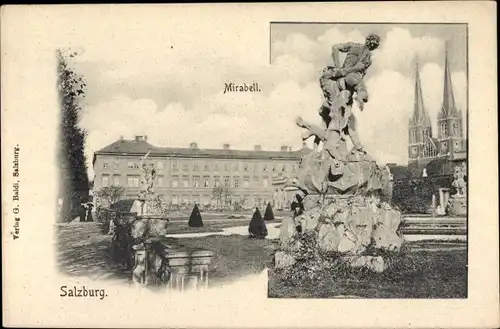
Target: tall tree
(74, 183)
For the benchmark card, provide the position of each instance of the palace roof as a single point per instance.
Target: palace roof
(141, 147)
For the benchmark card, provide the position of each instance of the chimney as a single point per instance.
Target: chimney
(257, 147)
(304, 145)
(139, 138)
(289, 149)
(225, 146)
(121, 137)
(284, 147)
(145, 138)
(193, 145)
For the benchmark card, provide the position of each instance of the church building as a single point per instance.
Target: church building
(436, 154)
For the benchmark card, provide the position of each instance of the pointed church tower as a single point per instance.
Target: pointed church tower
(419, 127)
(450, 132)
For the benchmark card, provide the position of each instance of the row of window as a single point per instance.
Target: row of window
(196, 182)
(443, 132)
(430, 150)
(216, 167)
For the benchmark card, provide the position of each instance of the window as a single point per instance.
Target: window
(226, 181)
(160, 180)
(196, 182)
(217, 182)
(455, 129)
(226, 167)
(133, 181)
(294, 168)
(195, 167)
(185, 167)
(236, 182)
(116, 180)
(457, 145)
(175, 182)
(246, 183)
(444, 129)
(264, 168)
(256, 167)
(413, 136)
(159, 165)
(245, 167)
(130, 165)
(105, 164)
(116, 165)
(274, 168)
(206, 168)
(105, 181)
(174, 166)
(136, 165)
(264, 182)
(175, 199)
(216, 167)
(256, 182)
(236, 167)
(185, 182)
(206, 182)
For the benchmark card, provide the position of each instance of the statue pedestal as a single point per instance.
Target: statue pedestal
(457, 206)
(357, 229)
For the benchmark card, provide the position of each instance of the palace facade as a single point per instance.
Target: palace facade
(185, 176)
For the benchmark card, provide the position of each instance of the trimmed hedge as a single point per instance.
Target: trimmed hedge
(195, 218)
(268, 214)
(257, 227)
(415, 195)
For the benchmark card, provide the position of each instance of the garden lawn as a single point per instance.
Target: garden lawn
(178, 227)
(235, 255)
(424, 270)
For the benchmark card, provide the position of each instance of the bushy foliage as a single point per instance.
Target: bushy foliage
(111, 194)
(268, 214)
(195, 219)
(74, 184)
(257, 227)
(415, 195)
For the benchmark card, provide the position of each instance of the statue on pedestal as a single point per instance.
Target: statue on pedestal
(346, 195)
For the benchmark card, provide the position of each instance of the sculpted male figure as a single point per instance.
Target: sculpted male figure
(339, 84)
(358, 60)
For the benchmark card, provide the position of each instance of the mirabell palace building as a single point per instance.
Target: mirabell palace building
(189, 175)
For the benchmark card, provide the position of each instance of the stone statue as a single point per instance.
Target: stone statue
(340, 85)
(346, 195)
(459, 182)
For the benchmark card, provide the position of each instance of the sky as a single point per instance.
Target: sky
(171, 87)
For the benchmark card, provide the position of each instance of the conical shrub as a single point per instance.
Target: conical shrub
(269, 215)
(257, 228)
(195, 218)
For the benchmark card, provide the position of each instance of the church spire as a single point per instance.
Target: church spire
(448, 107)
(420, 117)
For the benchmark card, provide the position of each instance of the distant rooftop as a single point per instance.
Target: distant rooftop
(140, 146)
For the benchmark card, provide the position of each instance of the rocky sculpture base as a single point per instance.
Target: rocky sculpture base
(356, 230)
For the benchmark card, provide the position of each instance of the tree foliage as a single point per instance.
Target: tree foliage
(222, 195)
(111, 194)
(415, 195)
(74, 184)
